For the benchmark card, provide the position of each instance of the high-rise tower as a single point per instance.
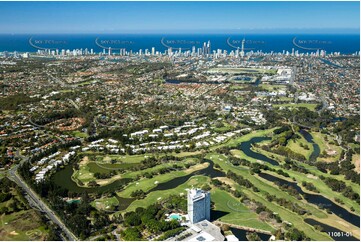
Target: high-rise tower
(199, 205)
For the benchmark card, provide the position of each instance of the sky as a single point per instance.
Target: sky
(174, 17)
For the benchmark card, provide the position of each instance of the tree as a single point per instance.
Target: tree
(154, 226)
(132, 219)
(206, 187)
(225, 227)
(295, 235)
(130, 234)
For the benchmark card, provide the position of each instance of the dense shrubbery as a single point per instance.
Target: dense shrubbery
(340, 186)
(239, 179)
(13, 102)
(309, 186)
(287, 152)
(82, 219)
(152, 219)
(344, 167)
(286, 203)
(138, 194)
(296, 235)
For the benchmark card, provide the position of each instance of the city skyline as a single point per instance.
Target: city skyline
(181, 17)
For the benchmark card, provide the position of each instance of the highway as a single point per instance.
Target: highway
(13, 175)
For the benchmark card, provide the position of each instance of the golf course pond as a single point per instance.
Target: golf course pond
(316, 199)
(333, 232)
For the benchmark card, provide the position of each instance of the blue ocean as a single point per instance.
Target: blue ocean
(346, 44)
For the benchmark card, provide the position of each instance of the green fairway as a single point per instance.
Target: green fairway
(195, 181)
(325, 147)
(295, 146)
(24, 225)
(237, 87)
(269, 87)
(237, 213)
(356, 162)
(310, 106)
(79, 134)
(83, 174)
(236, 141)
(105, 203)
(106, 168)
(147, 184)
(237, 70)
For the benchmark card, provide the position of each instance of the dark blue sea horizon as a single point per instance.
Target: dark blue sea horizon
(343, 43)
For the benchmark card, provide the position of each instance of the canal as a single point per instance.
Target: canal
(241, 234)
(317, 200)
(333, 232)
(316, 149)
(246, 148)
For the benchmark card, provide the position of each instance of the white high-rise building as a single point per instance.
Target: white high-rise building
(199, 205)
(242, 49)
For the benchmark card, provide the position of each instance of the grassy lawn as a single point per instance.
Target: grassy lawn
(196, 181)
(86, 170)
(238, 213)
(147, 184)
(79, 134)
(237, 141)
(105, 203)
(356, 162)
(21, 226)
(242, 70)
(270, 87)
(107, 168)
(310, 106)
(139, 158)
(339, 224)
(324, 145)
(288, 99)
(226, 127)
(158, 167)
(185, 154)
(125, 158)
(83, 174)
(237, 87)
(286, 215)
(324, 189)
(295, 146)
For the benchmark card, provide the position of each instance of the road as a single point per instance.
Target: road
(13, 175)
